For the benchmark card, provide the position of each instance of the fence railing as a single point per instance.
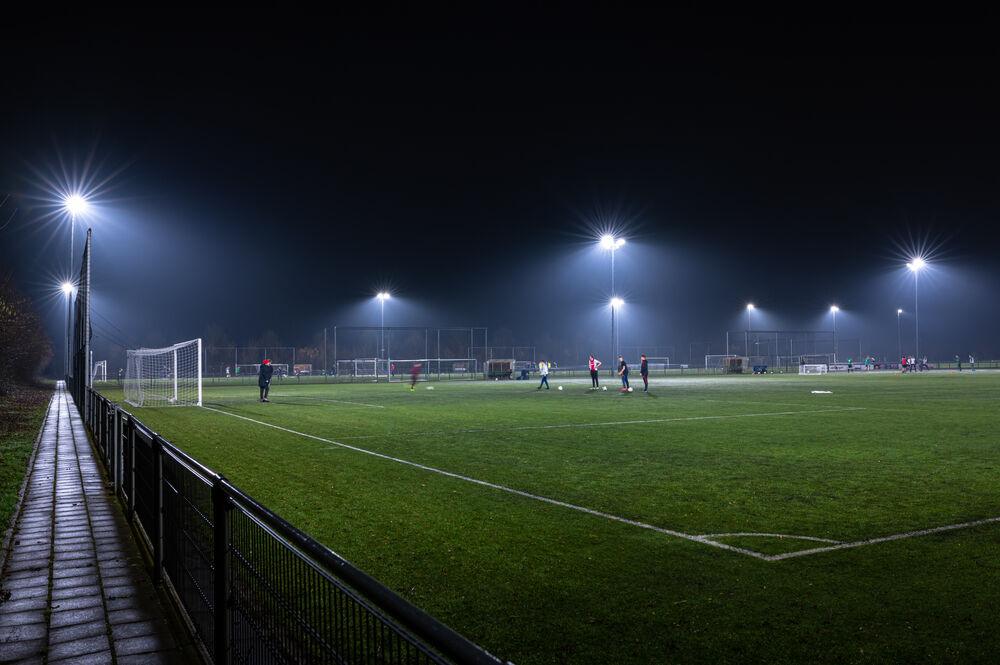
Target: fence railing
(254, 588)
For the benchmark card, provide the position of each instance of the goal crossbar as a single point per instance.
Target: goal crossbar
(170, 376)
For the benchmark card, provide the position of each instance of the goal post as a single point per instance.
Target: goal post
(100, 372)
(813, 368)
(170, 376)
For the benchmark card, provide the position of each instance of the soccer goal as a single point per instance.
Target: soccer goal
(169, 376)
(438, 369)
(100, 371)
(813, 369)
(816, 359)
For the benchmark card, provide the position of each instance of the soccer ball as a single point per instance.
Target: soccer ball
(630, 388)
(560, 387)
(604, 387)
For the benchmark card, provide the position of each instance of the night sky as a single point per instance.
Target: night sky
(274, 177)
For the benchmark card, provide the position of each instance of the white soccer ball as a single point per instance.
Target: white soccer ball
(630, 388)
(604, 387)
(560, 387)
(430, 387)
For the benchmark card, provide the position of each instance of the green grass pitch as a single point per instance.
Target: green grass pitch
(534, 581)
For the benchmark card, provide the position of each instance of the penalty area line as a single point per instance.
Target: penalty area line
(705, 539)
(502, 488)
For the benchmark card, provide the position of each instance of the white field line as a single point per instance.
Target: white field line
(884, 539)
(502, 488)
(709, 536)
(703, 539)
(605, 424)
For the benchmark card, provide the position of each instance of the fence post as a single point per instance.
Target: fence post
(157, 534)
(130, 470)
(223, 613)
(116, 441)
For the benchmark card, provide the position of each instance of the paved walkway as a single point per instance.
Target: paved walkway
(73, 587)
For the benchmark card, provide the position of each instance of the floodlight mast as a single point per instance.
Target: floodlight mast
(67, 288)
(899, 337)
(834, 309)
(74, 204)
(615, 304)
(382, 297)
(608, 241)
(916, 265)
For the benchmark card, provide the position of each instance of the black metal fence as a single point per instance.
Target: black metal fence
(254, 588)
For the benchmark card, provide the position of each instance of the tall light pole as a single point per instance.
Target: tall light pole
(899, 337)
(608, 241)
(916, 265)
(746, 338)
(834, 309)
(382, 297)
(74, 205)
(615, 304)
(67, 288)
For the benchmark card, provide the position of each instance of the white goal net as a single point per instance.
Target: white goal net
(164, 377)
(100, 371)
(813, 369)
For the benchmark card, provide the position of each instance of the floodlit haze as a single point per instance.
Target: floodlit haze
(250, 181)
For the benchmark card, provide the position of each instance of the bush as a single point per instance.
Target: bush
(25, 346)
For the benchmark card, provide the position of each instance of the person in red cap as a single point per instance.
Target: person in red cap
(264, 379)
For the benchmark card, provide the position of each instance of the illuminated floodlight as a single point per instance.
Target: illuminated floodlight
(383, 295)
(899, 311)
(834, 309)
(67, 287)
(750, 306)
(916, 264)
(617, 302)
(76, 204)
(610, 242)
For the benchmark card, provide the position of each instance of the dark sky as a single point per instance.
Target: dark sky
(275, 176)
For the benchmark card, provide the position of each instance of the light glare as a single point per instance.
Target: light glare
(383, 295)
(617, 302)
(834, 309)
(916, 264)
(750, 306)
(67, 287)
(899, 311)
(76, 204)
(607, 241)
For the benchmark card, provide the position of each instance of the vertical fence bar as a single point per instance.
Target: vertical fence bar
(130, 471)
(157, 526)
(222, 578)
(116, 437)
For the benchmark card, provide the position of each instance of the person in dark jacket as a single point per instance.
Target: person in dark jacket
(264, 379)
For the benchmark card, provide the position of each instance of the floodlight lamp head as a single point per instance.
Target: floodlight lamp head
(383, 295)
(834, 309)
(916, 264)
(619, 242)
(75, 204)
(67, 287)
(617, 302)
(607, 241)
(899, 311)
(750, 306)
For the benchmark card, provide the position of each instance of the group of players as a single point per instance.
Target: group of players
(266, 371)
(543, 369)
